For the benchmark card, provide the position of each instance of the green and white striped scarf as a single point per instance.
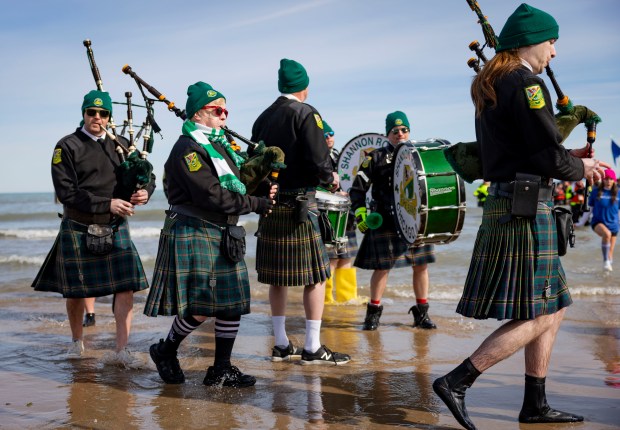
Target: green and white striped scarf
(205, 137)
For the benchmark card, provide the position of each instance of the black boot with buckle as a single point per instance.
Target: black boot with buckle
(535, 407)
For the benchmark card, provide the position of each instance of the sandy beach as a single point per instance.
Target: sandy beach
(388, 382)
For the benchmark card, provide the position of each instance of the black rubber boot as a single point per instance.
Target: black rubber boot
(535, 407)
(451, 389)
(373, 313)
(89, 320)
(420, 316)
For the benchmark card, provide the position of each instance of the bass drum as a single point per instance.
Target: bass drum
(405, 206)
(353, 154)
(435, 212)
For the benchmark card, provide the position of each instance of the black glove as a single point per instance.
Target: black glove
(263, 205)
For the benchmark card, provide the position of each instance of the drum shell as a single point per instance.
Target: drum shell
(337, 209)
(439, 199)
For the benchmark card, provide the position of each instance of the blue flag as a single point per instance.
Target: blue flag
(615, 150)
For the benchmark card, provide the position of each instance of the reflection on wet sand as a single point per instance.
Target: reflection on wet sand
(387, 384)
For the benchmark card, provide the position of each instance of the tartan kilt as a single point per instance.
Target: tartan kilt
(193, 277)
(289, 253)
(382, 249)
(73, 271)
(515, 272)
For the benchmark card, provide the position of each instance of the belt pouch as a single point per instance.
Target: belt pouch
(565, 230)
(233, 243)
(525, 195)
(99, 239)
(301, 209)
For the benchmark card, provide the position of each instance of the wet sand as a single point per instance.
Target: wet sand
(388, 382)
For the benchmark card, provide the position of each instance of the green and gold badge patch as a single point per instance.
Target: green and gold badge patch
(318, 120)
(57, 158)
(535, 97)
(192, 161)
(366, 162)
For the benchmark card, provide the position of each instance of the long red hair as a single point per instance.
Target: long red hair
(483, 86)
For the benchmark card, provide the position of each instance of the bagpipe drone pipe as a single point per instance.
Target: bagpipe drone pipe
(135, 170)
(464, 157)
(264, 162)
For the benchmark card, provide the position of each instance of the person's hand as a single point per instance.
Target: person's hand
(264, 206)
(121, 208)
(335, 182)
(360, 218)
(585, 152)
(140, 197)
(594, 170)
(273, 190)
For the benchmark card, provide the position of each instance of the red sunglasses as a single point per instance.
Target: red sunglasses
(218, 110)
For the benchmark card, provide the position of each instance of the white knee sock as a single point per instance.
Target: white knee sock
(313, 335)
(279, 331)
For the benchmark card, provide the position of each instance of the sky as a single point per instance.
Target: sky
(365, 59)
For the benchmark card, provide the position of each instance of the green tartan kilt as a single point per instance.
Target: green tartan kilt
(71, 270)
(193, 277)
(383, 249)
(515, 272)
(289, 253)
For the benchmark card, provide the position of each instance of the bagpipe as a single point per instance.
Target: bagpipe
(464, 157)
(135, 170)
(264, 163)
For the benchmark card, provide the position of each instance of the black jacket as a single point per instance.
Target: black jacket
(517, 138)
(296, 128)
(84, 173)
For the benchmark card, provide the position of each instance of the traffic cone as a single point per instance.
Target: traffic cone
(346, 284)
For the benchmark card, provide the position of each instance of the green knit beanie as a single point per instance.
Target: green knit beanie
(99, 99)
(396, 119)
(292, 77)
(326, 127)
(198, 95)
(527, 26)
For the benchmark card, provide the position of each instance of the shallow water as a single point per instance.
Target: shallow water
(388, 382)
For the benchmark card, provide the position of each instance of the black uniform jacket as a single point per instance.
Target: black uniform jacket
(514, 137)
(294, 127)
(376, 170)
(84, 172)
(199, 184)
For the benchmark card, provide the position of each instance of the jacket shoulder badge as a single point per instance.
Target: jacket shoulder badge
(192, 161)
(366, 161)
(318, 120)
(57, 158)
(535, 97)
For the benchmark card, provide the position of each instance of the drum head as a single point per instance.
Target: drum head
(352, 155)
(405, 206)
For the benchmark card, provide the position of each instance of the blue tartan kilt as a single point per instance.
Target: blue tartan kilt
(515, 272)
(193, 277)
(382, 249)
(73, 271)
(289, 253)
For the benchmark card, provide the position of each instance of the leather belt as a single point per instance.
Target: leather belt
(203, 214)
(506, 189)
(289, 197)
(87, 218)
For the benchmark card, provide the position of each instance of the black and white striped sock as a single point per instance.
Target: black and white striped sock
(181, 328)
